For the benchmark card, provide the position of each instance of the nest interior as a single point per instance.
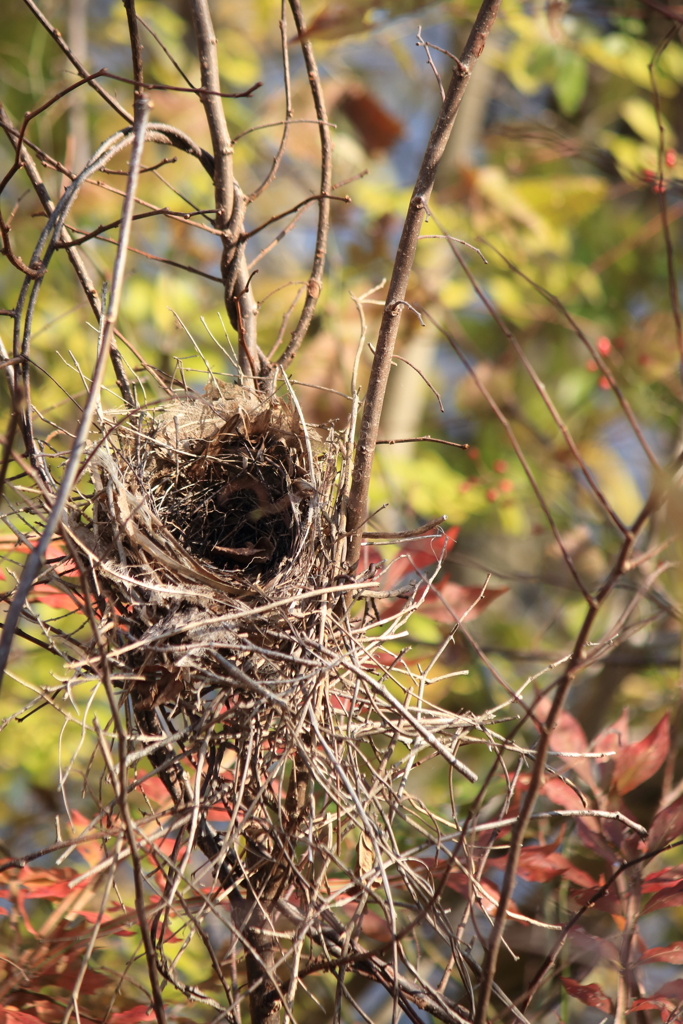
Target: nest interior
(227, 474)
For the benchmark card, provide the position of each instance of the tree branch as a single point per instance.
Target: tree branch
(316, 276)
(405, 256)
(37, 555)
(230, 201)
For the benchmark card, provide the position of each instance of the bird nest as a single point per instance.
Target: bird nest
(240, 665)
(203, 510)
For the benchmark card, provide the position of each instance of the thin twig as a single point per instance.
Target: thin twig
(318, 266)
(562, 687)
(425, 437)
(66, 49)
(35, 558)
(403, 263)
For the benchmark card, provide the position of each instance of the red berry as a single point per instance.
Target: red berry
(473, 453)
(591, 365)
(604, 346)
(604, 384)
(500, 466)
(506, 486)
(492, 494)
(671, 157)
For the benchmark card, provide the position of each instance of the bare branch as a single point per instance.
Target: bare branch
(35, 558)
(66, 49)
(403, 264)
(318, 267)
(230, 201)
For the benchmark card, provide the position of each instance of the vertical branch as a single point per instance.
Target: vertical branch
(315, 279)
(403, 265)
(230, 202)
(670, 266)
(562, 688)
(35, 558)
(135, 44)
(221, 142)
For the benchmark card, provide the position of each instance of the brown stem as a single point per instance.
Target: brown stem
(230, 202)
(563, 685)
(135, 45)
(66, 49)
(75, 257)
(220, 136)
(405, 256)
(37, 555)
(316, 276)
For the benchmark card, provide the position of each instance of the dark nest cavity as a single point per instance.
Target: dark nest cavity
(237, 499)
(229, 475)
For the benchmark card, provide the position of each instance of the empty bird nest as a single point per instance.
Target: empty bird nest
(207, 511)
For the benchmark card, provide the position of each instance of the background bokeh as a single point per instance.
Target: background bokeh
(563, 170)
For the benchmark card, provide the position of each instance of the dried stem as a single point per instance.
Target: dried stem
(66, 49)
(405, 256)
(561, 687)
(73, 467)
(230, 201)
(316, 275)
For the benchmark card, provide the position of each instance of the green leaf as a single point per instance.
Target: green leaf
(571, 83)
(641, 116)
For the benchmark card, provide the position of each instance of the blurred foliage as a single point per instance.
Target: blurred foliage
(564, 160)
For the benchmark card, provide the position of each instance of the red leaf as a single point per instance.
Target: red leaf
(420, 554)
(639, 761)
(672, 897)
(665, 999)
(614, 736)
(568, 736)
(671, 988)
(485, 892)
(447, 601)
(135, 1015)
(667, 825)
(588, 948)
(375, 125)
(649, 1004)
(452, 600)
(53, 597)
(10, 1015)
(610, 901)
(562, 794)
(156, 792)
(58, 891)
(667, 878)
(568, 733)
(32, 878)
(374, 926)
(541, 863)
(672, 954)
(66, 979)
(48, 1012)
(591, 995)
(91, 852)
